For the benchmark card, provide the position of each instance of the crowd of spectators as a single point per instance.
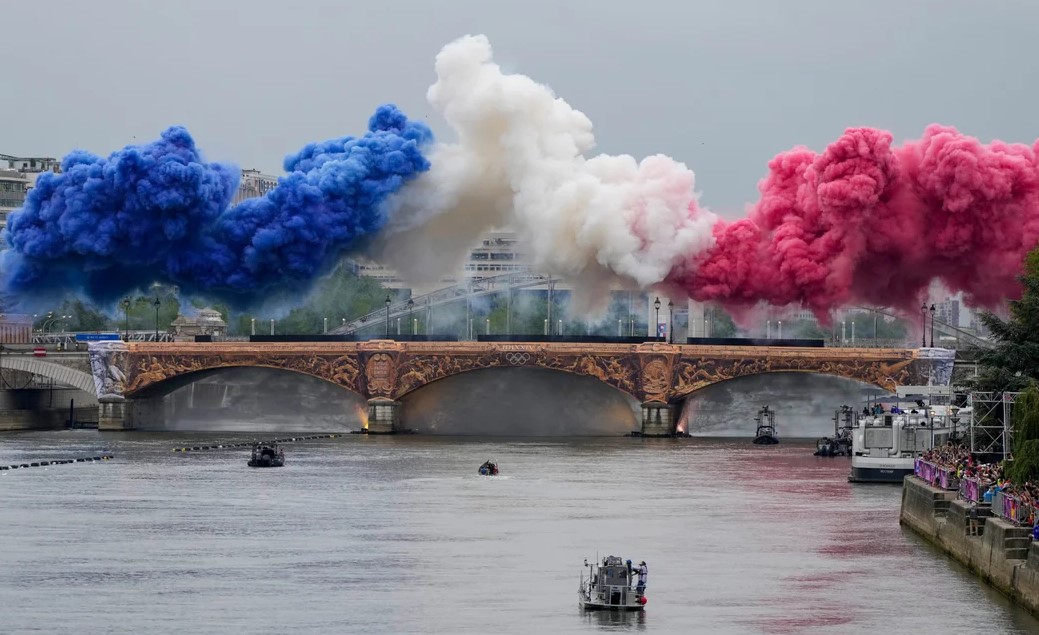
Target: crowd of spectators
(958, 459)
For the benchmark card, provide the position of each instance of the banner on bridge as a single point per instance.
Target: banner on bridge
(96, 337)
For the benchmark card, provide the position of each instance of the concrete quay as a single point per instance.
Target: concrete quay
(1003, 555)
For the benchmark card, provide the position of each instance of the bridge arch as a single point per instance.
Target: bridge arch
(519, 401)
(58, 372)
(689, 390)
(420, 371)
(152, 386)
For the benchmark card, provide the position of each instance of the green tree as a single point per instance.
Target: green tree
(1025, 466)
(1013, 363)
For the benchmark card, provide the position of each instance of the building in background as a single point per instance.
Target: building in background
(15, 328)
(253, 184)
(19, 176)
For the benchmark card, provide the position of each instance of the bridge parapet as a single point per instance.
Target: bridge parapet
(386, 370)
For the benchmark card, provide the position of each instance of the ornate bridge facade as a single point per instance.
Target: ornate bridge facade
(384, 371)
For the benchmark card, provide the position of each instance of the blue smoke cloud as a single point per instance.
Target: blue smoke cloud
(158, 212)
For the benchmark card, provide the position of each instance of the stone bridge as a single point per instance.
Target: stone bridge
(68, 369)
(658, 375)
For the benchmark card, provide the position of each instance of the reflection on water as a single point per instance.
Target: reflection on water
(400, 535)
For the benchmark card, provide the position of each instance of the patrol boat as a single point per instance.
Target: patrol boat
(609, 586)
(267, 455)
(766, 431)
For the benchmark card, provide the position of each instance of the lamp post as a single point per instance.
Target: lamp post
(705, 333)
(853, 332)
(768, 329)
(844, 332)
(546, 326)
(387, 317)
(618, 328)
(126, 319)
(487, 331)
(670, 322)
(780, 325)
(272, 326)
(324, 326)
(560, 331)
(398, 326)
(656, 324)
(932, 310)
(252, 326)
(411, 307)
(923, 325)
(157, 303)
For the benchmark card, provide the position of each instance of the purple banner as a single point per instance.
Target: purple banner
(970, 489)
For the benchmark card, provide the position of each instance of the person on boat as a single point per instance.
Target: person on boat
(640, 588)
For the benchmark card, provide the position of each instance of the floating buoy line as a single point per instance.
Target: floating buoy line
(87, 459)
(225, 446)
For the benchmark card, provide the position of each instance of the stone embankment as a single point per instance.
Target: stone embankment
(1002, 553)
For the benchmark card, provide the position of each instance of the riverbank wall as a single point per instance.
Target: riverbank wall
(1003, 554)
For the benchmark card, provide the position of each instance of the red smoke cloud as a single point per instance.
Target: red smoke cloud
(868, 223)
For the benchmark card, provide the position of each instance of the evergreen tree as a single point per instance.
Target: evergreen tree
(1013, 363)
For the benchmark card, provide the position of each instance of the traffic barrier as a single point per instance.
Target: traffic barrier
(225, 446)
(970, 489)
(89, 459)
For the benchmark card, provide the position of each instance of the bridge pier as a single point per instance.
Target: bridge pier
(383, 416)
(113, 415)
(658, 419)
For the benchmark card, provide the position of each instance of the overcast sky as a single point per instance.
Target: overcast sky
(721, 86)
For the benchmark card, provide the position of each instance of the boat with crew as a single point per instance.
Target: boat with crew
(267, 455)
(887, 442)
(840, 444)
(765, 434)
(610, 585)
(489, 468)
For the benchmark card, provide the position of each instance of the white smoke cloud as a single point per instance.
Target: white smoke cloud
(519, 162)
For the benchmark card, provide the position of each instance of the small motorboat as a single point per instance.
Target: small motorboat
(267, 455)
(840, 443)
(766, 430)
(609, 586)
(489, 469)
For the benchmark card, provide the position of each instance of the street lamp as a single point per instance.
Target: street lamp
(272, 326)
(768, 329)
(618, 327)
(656, 324)
(252, 326)
(387, 317)
(923, 324)
(546, 326)
(932, 310)
(780, 325)
(670, 322)
(157, 303)
(411, 307)
(324, 326)
(126, 319)
(560, 332)
(488, 330)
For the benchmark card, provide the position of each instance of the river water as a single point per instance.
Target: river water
(400, 535)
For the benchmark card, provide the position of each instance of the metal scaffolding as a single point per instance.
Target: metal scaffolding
(991, 425)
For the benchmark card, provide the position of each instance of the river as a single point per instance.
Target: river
(400, 535)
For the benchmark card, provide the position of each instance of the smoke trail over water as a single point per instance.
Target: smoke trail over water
(865, 222)
(520, 162)
(159, 212)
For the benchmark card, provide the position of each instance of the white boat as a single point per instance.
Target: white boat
(885, 446)
(610, 586)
